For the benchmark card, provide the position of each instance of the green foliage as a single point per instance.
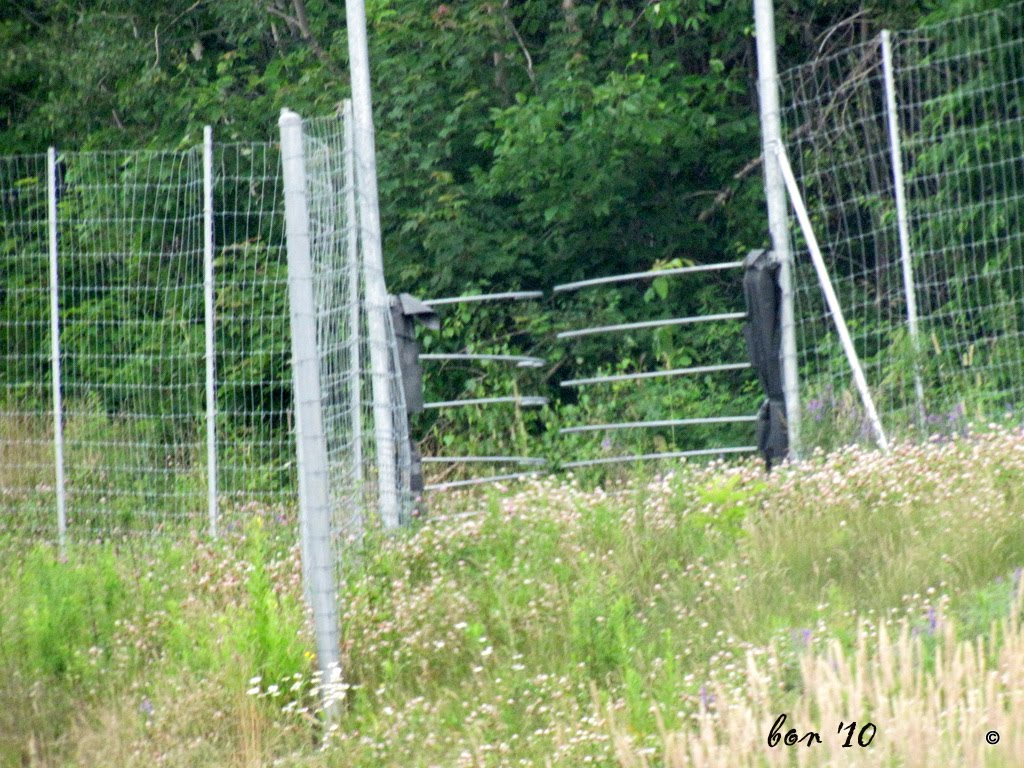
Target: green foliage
(65, 614)
(731, 502)
(603, 631)
(269, 636)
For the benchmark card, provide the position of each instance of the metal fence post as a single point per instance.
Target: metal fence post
(58, 401)
(314, 491)
(211, 392)
(778, 217)
(355, 315)
(901, 217)
(385, 409)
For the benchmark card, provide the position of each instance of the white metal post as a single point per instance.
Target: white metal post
(311, 442)
(211, 390)
(58, 400)
(778, 218)
(830, 296)
(355, 316)
(384, 408)
(901, 217)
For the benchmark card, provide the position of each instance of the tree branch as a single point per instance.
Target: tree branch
(291, 20)
(186, 12)
(28, 16)
(522, 45)
(725, 194)
(300, 21)
(861, 70)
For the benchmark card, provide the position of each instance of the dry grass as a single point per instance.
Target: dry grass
(932, 699)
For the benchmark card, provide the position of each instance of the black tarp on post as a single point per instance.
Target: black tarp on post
(406, 311)
(763, 332)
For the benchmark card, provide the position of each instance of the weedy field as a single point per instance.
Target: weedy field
(658, 620)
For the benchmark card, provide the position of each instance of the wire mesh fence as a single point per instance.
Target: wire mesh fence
(130, 287)
(26, 422)
(145, 374)
(908, 150)
(363, 400)
(254, 417)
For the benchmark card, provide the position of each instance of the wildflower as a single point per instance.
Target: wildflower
(816, 408)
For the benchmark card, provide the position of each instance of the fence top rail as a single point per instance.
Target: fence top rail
(649, 275)
(539, 462)
(526, 401)
(650, 324)
(479, 481)
(654, 424)
(522, 361)
(507, 296)
(656, 374)
(652, 456)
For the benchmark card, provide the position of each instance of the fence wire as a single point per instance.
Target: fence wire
(27, 494)
(130, 287)
(354, 330)
(255, 445)
(958, 93)
(131, 323)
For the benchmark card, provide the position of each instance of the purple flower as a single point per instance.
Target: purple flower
(706, 699)
(933, 620)
(816, 408)
(956, 413)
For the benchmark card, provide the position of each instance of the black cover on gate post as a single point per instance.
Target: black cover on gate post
(406, 311)
(763, 332)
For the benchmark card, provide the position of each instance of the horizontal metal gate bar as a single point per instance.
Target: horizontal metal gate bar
(487, 459)
(507, 296)
(649, 275)
(522, 401)
(651, 324)
(479, 481)
(665, 423)
(523, 361)
(670, 455)
(656, 374)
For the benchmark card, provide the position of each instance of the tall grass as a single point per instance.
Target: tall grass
(666, 619)
(918, 698)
